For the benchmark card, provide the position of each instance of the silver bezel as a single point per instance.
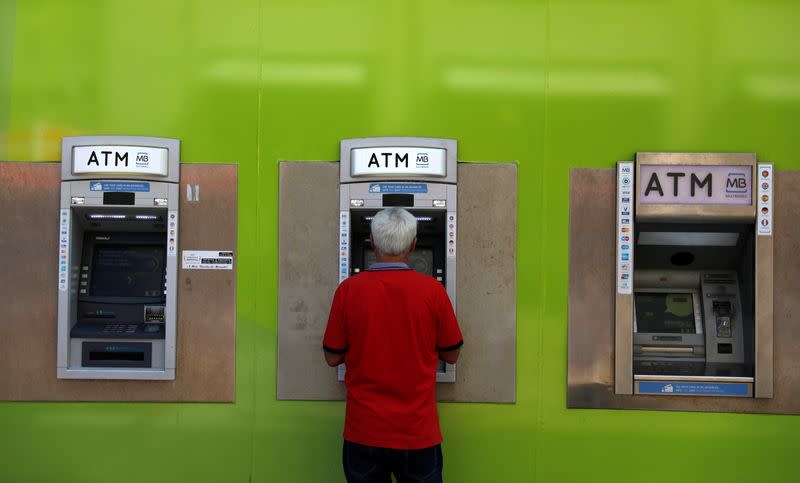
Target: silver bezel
(172, 145)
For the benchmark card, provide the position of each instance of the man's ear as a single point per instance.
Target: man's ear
(372, 245)
(413, 246)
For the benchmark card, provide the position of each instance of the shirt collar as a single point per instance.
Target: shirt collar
(388, 266)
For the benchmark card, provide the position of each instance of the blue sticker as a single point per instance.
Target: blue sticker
(398, 188)
(694, 388)
(129, 187)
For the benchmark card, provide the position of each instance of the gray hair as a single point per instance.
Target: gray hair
(393, 231)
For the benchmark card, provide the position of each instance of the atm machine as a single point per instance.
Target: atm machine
(117, 258)
(694, 275)
(419, 174)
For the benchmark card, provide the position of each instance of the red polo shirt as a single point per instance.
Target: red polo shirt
(391, 325)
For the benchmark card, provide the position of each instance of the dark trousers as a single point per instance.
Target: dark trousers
(368, 464)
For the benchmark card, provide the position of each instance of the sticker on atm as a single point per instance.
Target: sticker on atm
(693, 388)
(398, 188)
(207, 260)
(129, 187)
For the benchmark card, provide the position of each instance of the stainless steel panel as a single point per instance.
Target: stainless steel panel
(486, 281)
(308, 216)
(29, 194)
(592, 293)
(486, 284)
(764, 313)
(29, 230)
(623, 343)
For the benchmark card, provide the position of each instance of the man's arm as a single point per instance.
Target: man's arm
(449, 339)
(334, 342)
(334, 359)
(449, 357)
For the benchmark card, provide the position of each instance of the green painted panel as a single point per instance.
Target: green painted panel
(658, 76)
(140, 68)
(7, 20)
(550, 84)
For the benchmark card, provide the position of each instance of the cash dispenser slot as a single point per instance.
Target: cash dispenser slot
(116, 354)
(398, 199)
(119, 198)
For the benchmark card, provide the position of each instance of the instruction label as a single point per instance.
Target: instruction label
(207, 260)
(693, 388)
(128, 187)
(398, 188)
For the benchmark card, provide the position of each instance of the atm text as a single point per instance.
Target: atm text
(374, 162)
(117, 158)
(654, 184)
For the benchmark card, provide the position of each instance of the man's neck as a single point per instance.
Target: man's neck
(392, 259)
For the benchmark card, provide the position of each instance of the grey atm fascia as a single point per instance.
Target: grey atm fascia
(81, 194)
(359, 192)
(733, 316)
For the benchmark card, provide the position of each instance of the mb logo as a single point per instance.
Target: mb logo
(422, 160)
(736, 183)
(142, 159)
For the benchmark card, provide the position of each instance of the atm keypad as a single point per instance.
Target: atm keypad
(724, 327)
(723, 313)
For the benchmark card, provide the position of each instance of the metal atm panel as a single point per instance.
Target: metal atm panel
(118, 248)
(419, 174)
(696, 262)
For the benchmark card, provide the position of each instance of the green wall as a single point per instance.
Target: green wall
(548, 84)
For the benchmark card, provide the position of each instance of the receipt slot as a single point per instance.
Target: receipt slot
(694, 275)
(418, 174)
(118, 234)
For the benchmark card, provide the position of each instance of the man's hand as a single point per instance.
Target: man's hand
(334, 360)
(450, 357)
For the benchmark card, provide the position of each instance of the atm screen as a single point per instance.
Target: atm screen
(665, 312)
(127, 271)
(421, 259)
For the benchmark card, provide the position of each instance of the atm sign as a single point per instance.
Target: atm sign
(695, 185)
(120, 160)
(398, 161)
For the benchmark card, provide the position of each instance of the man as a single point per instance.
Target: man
(391, 325)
